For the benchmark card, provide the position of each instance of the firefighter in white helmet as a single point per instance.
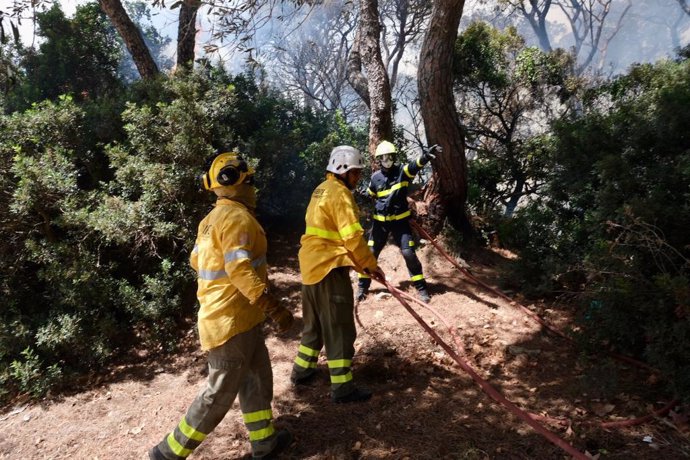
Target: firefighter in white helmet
(230, 259)
(332, 243)
(388, 187)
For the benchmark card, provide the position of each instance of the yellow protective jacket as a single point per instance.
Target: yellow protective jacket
(333, 237)
(230, 260)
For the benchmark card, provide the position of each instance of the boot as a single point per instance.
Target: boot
(424, 295)
(284, 439)
(359, 394)
(155, 454)
(362, 293)
(303, 380)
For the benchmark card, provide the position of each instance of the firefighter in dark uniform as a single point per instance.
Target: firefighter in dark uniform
(389, 186)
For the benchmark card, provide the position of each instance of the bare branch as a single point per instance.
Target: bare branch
(685, 5)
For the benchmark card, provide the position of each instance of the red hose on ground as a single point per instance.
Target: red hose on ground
(606, 425)
(542, 418)
(641, 420)
(484, 385)
(535, 317)
(526, 310)
(451, 330)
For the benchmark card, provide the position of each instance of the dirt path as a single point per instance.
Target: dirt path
(424, 406)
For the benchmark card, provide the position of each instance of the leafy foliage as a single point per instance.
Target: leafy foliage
(78, 56)
(98, 237)
(53, 280)
(612, 223)
(507, 93)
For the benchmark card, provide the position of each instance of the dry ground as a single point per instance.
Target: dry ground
(424, 406)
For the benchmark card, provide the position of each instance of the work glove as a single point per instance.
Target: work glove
(376, 274)
(431, 152)
(272, 308)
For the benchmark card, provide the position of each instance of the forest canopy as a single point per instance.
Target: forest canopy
(584, 177)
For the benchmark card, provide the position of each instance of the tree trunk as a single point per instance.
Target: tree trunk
(354, 71)
(186, 34)
(441, 121)
(381, 118)
(684, 4)
(130, 35)
(537, 19)
(518, 192)
(539, 27)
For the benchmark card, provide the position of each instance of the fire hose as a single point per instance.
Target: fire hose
(483, 384)
(526, 310)
(557, 421)
(529, 418)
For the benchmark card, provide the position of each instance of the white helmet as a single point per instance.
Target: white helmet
(344, 158)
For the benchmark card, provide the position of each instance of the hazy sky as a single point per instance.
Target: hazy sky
(651, 29)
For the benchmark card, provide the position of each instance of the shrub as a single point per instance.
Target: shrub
(615, 213)
(32, 375)
(95, 258)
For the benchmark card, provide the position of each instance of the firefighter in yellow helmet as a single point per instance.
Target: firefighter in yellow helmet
(332, 243)
(230, 259)
(388, 187)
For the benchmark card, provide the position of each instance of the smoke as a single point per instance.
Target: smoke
(632, 31)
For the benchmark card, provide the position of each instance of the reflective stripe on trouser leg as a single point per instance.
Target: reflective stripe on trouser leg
(228, 366)
(336, 315)
(261, 431)
(182, 441)
(377, 240)
(256, 393)
(404, 239)
(306, 358)
(340, 370)
(414, 268)
(312, 337)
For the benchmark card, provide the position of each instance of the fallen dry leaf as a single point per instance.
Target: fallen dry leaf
(603, 409)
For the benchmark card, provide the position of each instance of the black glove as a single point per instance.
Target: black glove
(432, 151)
(376, 274)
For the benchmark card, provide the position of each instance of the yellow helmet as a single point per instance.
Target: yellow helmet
(226, 169)
(384, 148)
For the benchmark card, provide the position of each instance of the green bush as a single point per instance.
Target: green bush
(78, 55)
(32, 375)
(612, 224)
(97, 237)
(506, 93)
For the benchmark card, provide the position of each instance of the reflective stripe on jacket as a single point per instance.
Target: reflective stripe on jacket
(389, 189)
(333, 236)
(230, 260)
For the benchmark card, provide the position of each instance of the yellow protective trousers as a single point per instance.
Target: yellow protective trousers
(239, 366)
